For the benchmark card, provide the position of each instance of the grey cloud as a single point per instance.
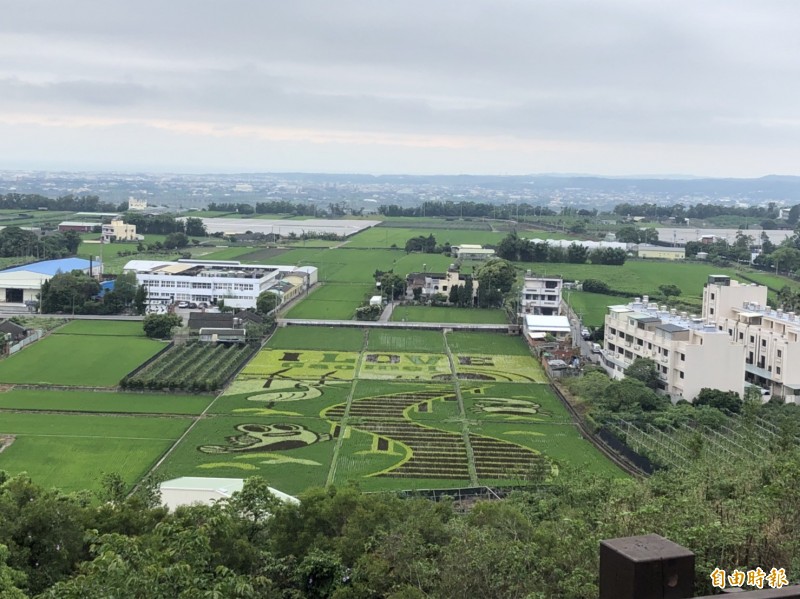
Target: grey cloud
(683, 72)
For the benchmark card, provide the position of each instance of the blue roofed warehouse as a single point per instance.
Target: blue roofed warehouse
(22, 283)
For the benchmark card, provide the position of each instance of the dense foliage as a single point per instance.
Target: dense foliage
(515, 248)
(539, 543)
(17, 242)
(160, 326)
(67, 203)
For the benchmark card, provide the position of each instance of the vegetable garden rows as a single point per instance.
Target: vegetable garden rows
(194, 366)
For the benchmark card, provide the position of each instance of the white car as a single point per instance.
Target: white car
(585, 333)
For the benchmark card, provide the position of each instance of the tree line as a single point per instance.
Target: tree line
(466, 209)
(17, 243)
(540, 542)
(517, 249)
(67, 203)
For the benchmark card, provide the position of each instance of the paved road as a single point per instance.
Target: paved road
(386, 315)
(393, 325)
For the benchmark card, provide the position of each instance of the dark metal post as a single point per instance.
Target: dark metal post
(645, 567)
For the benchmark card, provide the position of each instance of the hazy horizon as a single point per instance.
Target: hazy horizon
(612, 88)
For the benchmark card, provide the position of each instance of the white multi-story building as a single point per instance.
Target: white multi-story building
(541, 295)
(239, 285)
(770, 338)
(690, 352)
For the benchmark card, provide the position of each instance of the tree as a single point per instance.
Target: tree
(267, 302)
(140, 299)
(392, 285)
(645, 370)
(417, 291)
(628, 234)
(595, 286)
(495, 277)
(669, 290)
(577, 254)
(125, 287)
(68, 292)
(176, 240)
(722, 400)
(455, 295)
(468, 292)
(159, 326)
(195, 227)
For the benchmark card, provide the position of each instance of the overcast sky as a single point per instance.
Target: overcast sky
(415, 86)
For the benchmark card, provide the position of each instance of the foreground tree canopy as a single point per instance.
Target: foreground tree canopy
(540, 543)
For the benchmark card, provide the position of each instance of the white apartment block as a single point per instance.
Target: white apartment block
(541, 295)
(690, 353)
(770, 338)
(239, 285)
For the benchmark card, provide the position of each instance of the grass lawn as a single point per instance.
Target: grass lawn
(637, 277)
(97, 401)
(385, 237)
(593, 306)
(405, 341)
(115, 328)
(77, 360)
(334, 338)
(233, 253)
(561, 443)
(448, 314)
(467, 342)
(332, 302)
(73, 452)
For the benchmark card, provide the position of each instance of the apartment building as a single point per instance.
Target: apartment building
(770, 337)
(690, 353)
(541, 295)
(239, 285)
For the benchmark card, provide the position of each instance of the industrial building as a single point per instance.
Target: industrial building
(210, 281)
(660, 252)
(23, 283)
(467, 251)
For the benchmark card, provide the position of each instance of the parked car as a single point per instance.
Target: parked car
(597, 348)
(585, 333)
(183, 304)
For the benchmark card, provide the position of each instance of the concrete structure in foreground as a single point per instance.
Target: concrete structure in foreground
(770, 338)
(210, 281)
(541, 295)
(690, 353)
(23, 283)
(191, 490)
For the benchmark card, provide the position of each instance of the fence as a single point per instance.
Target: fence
(35, 336)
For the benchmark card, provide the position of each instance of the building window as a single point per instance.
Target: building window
(779, 353)
(444, 287)
(741, 336)
(711, 310)
(680, 373)
(752, 339)
(777, 370)
(763, 343)
(712, 296)
(683, 357)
